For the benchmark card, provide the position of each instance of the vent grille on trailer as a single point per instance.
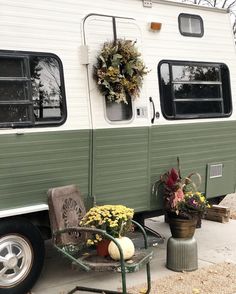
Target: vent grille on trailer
(216, 170)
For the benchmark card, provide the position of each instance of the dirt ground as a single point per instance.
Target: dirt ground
(215, 279)
(230, 201)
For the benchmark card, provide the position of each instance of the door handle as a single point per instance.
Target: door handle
(154, 110)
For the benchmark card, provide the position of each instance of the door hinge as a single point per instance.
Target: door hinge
(147, 3)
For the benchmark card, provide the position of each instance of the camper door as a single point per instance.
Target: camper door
(120, 172)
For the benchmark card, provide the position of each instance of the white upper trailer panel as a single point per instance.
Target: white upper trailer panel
(63, 27)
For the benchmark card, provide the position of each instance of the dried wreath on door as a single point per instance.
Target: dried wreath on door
(119, 70)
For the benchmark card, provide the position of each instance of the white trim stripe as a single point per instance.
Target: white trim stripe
(23, 210)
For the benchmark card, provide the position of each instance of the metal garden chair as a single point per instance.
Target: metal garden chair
(66, 209)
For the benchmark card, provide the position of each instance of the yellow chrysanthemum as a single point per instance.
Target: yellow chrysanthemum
(90, 242)
(114, 219)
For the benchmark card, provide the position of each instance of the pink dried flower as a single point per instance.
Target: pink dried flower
(178, 196)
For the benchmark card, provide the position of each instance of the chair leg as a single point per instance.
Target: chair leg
(123, 276)
(94, 290)
(124, 291)
(148, 278)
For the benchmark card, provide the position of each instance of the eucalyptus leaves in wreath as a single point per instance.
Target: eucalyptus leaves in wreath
(120, 70)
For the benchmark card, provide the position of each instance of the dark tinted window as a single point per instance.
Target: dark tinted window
(192, 90)
(198, 107)
(13, 90)
(31, 90)
(197, 91)
(12, 67)
(14, 114)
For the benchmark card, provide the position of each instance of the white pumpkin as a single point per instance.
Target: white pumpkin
(127, 246)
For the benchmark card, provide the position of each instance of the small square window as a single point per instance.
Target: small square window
(191, 25)
(116, 112)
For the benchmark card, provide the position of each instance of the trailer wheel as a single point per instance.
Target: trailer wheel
(21, 256)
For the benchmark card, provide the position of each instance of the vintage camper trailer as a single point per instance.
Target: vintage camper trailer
(57, 129)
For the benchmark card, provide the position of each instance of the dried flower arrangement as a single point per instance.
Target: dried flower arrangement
(119, 70)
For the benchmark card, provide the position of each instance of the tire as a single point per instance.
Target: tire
(21, 255)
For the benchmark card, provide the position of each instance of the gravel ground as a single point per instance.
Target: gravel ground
(215, 279)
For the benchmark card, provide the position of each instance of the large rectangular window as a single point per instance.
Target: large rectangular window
(31, 90)
(194, 89)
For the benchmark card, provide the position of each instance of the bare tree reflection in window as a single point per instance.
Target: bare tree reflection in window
(46, 87)
(195, 73)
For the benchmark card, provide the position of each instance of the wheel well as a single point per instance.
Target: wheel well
(39, 219)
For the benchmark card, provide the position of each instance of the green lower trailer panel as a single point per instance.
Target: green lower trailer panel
(120, 167)
(198, 145)
(32, 163)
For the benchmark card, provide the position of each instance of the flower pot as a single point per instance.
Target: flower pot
(182, 228)
(102, 247)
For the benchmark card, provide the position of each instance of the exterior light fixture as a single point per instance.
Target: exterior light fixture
(155, 26)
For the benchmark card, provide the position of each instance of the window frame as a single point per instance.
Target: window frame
(197, 35)
(176, 116)
(25, 56)
(122, 104)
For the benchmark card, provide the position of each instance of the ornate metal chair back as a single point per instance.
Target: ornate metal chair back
(66, 209)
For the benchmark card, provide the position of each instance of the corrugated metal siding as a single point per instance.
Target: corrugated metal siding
(196, 145)
(121, 167)
(30, 164)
